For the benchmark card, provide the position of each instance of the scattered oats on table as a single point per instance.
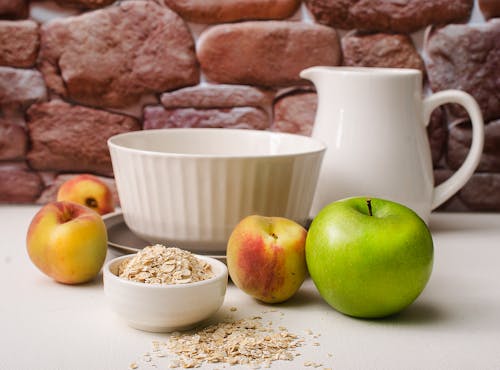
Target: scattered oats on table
(251, 342)
(242, 342)
(312, 364)
(158, 264)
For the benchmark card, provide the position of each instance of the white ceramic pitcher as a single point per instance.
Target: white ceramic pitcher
(373, 121)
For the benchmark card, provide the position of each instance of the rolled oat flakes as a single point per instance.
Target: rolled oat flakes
(242, 342)
(158, 264)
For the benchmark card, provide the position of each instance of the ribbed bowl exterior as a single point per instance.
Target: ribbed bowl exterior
(196, 202)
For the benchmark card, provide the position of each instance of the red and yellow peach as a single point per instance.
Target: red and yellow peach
(87, 190)
(266, 257)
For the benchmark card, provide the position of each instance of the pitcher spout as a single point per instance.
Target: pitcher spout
(311, 73)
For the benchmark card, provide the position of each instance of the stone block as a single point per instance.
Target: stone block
(19, 42)
(71, 138)
(238, 117)
(403, 16)
(480, 194)
(295, 112)
(18, 184)
(459, 141)
(490, 8)
(223, 11)
(13, 141)
(437, 133)
(21, 87)
(111, 57)
(217, 96)
(380, 50)
(270, 53)
(466, 57)
(14, 9)
(84, 4)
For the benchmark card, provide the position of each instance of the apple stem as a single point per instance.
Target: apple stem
(369, 204)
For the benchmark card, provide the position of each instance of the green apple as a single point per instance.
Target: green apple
(369, 258)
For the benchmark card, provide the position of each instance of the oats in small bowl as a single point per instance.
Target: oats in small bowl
(163, 289)
(161, 265)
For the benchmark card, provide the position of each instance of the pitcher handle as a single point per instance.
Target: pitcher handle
(445, 190)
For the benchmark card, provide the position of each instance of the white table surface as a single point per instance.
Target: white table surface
(454, 324)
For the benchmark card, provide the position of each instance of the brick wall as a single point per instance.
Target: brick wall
(75, 72)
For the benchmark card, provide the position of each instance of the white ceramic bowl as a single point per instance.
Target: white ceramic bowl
(164, 308)
(188, 188)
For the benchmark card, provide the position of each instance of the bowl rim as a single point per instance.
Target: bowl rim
(381, 72)
(107, 273)
(321, 146)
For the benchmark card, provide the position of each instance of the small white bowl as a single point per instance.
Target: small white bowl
(164, 308)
